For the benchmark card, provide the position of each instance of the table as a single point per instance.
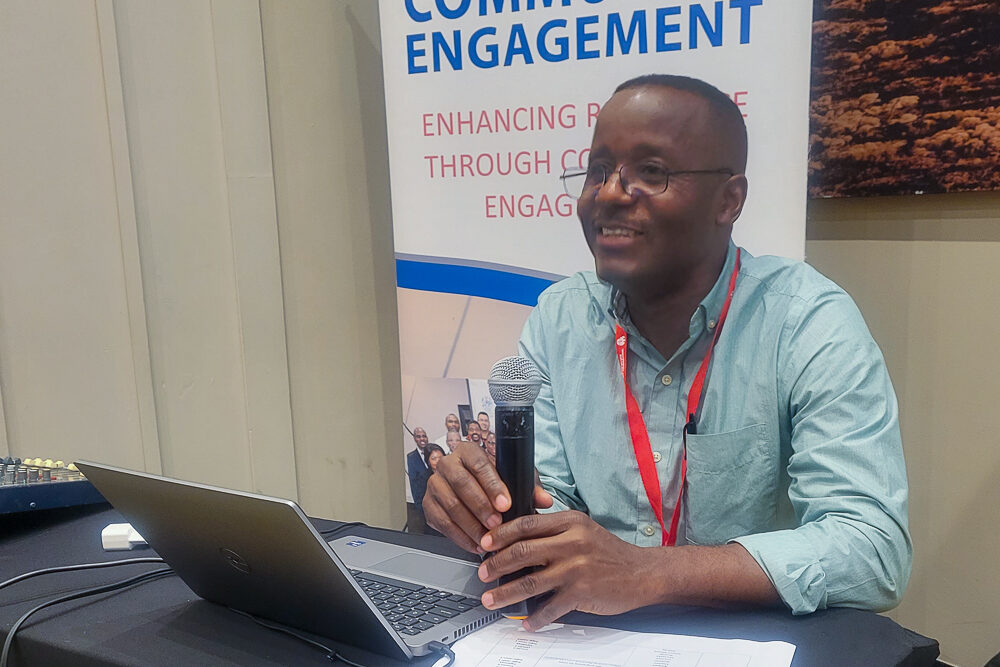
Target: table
(164, 623)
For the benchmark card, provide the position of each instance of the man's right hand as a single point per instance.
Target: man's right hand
(465, 497)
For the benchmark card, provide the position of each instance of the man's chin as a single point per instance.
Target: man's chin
(616, 276)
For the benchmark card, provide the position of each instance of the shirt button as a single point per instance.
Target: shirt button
(656, 457)
(648, 531)
(711, 324)
(666, 380)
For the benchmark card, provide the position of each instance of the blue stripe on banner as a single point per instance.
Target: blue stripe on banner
(470, 280)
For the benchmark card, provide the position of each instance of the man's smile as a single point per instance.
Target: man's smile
(619, 232)
(612, 237)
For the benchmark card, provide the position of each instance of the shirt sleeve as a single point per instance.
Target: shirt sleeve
(550, 457)
(847, 475)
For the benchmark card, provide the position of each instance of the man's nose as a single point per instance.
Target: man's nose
(614, 190)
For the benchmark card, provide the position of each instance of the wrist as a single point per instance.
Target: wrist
(653, 577)
(711, 576)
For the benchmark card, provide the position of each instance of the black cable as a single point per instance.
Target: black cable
(331, 654)
(330, 532)
(444, 650)
(82, 566)
(139, 579)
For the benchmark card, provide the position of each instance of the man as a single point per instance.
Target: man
(451, 425)
(491, 447)
(416, 464)
(795, 486)
(452, 440)
(484, 425)
(473, 433)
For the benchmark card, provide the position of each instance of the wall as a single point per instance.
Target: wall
(74, 363)
(191, 260)
(327, 111)
(195, 116)
(924, 272)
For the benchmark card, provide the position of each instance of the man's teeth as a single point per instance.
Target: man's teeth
(614, 231)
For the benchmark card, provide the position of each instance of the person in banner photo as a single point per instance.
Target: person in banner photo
(417, 465)
(712, 428)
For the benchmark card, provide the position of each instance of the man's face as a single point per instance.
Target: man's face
(491, 445)
(474, 435)
(642, 242)
(451, 423)
(452, 439)
(484, 422)
(420, 437)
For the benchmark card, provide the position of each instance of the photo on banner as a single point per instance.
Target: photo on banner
(489, 101)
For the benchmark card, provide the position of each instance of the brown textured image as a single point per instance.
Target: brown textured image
(905, 97)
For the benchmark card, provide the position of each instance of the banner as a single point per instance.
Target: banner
(488, 101)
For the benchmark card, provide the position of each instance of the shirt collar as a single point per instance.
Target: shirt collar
(708, 310)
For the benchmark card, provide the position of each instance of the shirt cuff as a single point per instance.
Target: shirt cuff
(790, 562)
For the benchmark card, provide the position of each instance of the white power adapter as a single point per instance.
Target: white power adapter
(121, 537)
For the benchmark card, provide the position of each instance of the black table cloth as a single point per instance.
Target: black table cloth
(164, 623)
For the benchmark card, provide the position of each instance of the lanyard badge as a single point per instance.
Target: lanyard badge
(637, 425)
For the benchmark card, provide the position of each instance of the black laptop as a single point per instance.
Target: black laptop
(262, 555)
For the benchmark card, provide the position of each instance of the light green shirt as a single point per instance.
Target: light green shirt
(798, 454)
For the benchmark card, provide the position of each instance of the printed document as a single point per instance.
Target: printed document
(506, 644)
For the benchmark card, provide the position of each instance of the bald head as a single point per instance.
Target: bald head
(420, 438)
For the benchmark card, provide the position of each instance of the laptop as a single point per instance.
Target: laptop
(263, 556)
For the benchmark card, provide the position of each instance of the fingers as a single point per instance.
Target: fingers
(549, 611)
(528, 527)
(529, 553)
(446, 513)
(438, 519)
(474, 479)
(478, 463)
(463, 498)
(543, 500)
(522, 588)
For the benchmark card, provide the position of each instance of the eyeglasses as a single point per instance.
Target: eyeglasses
(647, 178)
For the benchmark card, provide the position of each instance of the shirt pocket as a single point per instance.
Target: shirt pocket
(731, 485)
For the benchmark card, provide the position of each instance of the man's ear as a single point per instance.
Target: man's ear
(731, 197)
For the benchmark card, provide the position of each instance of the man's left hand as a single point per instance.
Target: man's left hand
(584, 566)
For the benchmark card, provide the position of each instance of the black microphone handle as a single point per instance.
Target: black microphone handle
(515, 436)
(516, 464)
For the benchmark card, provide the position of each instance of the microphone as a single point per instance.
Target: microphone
(514, 383)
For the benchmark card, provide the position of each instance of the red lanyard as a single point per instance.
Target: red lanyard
(637, 425)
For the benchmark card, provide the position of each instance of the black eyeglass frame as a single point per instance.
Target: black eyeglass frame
(627, 185)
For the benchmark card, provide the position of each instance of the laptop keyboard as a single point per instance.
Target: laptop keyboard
(412, 608)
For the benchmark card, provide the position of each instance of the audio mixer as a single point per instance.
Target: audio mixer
(37, 484)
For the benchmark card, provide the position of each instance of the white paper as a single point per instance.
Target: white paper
(506, 644)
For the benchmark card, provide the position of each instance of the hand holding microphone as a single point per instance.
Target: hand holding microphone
(467, 497)
(546, 565)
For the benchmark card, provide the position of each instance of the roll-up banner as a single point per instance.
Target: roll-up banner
(487, 102)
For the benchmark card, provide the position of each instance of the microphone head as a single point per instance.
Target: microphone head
(514, 381)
